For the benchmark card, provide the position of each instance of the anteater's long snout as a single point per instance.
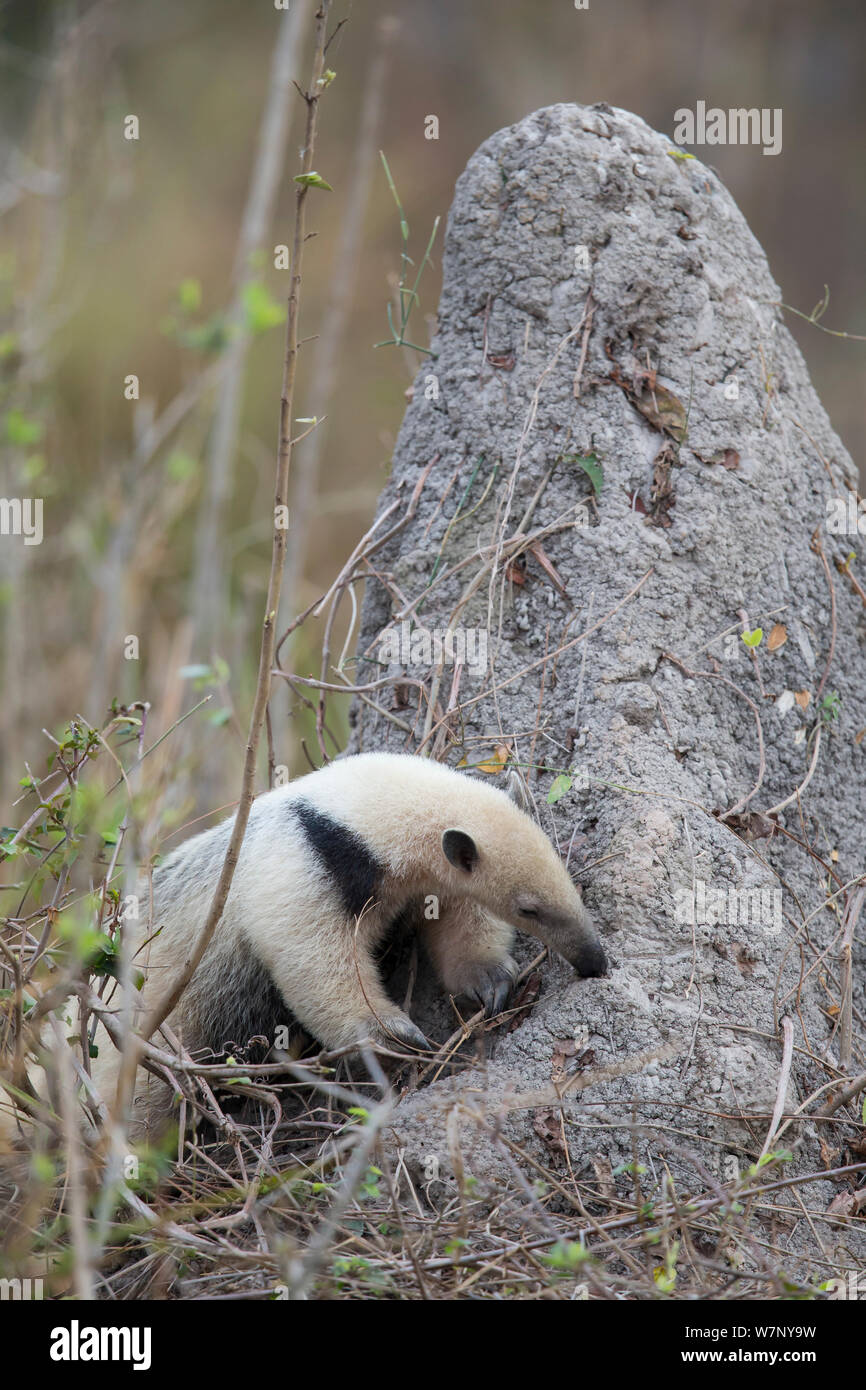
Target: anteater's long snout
(573, 936)
(590, 960)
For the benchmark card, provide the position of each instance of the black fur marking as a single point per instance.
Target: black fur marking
(354, 870)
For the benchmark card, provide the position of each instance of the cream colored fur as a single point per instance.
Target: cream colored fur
(284, 910)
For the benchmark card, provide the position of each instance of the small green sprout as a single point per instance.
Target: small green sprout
(313, 180)
(830, 707)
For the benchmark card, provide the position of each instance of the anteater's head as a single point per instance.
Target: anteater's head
(502, 859)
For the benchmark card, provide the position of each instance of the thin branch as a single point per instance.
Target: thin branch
(164, 1006)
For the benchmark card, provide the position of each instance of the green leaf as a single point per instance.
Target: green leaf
(262, 312)
(34, 466)
(778, 1156)
(566, 1254)
(560, 786)
(210, 336)
(179, 466)
(93, 949)
(753, 638)
(189, 295)
(42, 1168)
(830, 707)
(313, 180)
(591, 467)
(21, 431)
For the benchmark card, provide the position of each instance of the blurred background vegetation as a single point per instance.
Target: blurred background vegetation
(122, 257)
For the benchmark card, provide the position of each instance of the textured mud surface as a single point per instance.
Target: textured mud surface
(659, 350)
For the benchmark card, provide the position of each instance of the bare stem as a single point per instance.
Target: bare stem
(169, 1000)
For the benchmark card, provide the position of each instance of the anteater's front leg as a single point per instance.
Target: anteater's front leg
(471, 952)
(330, 982)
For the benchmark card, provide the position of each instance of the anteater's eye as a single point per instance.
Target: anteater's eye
(528, 912)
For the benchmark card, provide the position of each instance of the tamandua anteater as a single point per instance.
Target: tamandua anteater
(327, 864)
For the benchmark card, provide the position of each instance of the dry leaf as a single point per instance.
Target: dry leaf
(848, 1203)
(750, 825)
(548, 1127)
(495, 764)
(401, 695)
(565, 1048)
(662, 494)
(802, 697)
(522, 1004)
(777, 638)
(725, 458)
(549, 568)
(656, 403)
(829, 1157)
(664, 410)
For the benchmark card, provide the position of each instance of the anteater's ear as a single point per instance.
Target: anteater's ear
(460, 850)
(515, 787)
